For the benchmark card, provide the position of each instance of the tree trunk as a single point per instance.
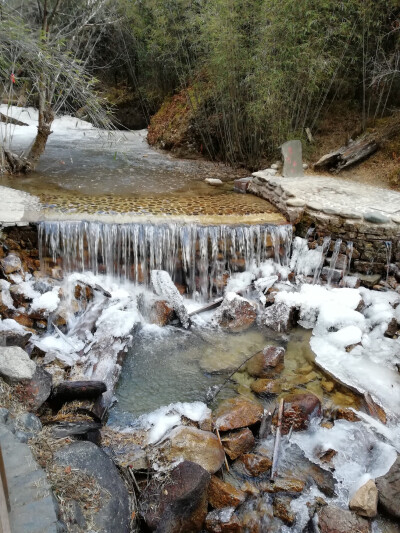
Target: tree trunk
(46, 117)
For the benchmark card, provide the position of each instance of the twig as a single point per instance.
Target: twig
(219, 438)
(134, 479)
(277, 441)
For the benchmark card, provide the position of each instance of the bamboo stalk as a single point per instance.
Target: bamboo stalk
(275, 457)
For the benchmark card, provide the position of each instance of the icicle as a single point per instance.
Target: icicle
(334, 258)
(200, 254)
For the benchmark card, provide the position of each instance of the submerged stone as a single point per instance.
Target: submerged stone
(237, 413)
(266, 363)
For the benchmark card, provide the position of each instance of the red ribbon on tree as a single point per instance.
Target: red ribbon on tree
(12, 78)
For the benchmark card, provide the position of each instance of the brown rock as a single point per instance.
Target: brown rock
(266, 387)
(328, 455)
(237, 413)
(267, 363)
(35, 391)
(18, 297)
(256, 464)
(365, 500)
(282, 510)
(238, 442)
(195, 445)
(299, 409)
(10, 264)
(235, 314)
(223, 521)
(161, 313)
(346, 414)
(335, 520)
(221, 494)
(392, 328)
(180, 505)
(23, 319)
(287, 484)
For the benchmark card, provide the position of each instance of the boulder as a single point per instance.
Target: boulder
(256, 464)
(113, 513)
(265, 387)
(195, 445)
(221, 494)
(267, 363)
(223, 521)
(238, 442)
(389, 490)
(237, 413)
(15, 364)
(335, 520)
(161, 313)
(298, 410)
(34, 392)
(179, 505)
(235, 314)
(10, 264)
(365, 500)
(279, 317)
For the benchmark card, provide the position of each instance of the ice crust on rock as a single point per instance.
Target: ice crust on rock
(164, 286)
(160, 422)
(47, 302)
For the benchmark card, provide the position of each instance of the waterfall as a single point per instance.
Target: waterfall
(194, 255)
(334, 258)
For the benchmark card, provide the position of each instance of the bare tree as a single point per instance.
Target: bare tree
(50, 45)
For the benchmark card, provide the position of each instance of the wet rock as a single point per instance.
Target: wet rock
(266, 363)
(195, 445)
(389, 490)
(29, 422)
(237, 413)
(365, 500)
(235, 314)
(15, 364)
(392, 328)
(299, 409)
(238, 442)
(10, 264)
(23, 319)
(18, 296)
(279, 317)
(334, 520)
(221, 494)
(180, 505)
(161, 313)
(282, 484)
(14, 338)
(223, 521)
(113, 513)
(34, 392)
(256, 464)
(328, 455)
(369, 280)
(342, 413)
(282, 510)
(266, 387)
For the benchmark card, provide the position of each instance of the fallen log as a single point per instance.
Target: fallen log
(68, 391)
(348, 155)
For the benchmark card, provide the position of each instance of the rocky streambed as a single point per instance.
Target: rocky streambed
(301, 434)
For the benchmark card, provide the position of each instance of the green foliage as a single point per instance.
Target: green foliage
(263, 70)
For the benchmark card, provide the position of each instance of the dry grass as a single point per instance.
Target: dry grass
(68, 484)
(9, 401)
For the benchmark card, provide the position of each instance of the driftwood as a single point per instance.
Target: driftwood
(11, 120)
(348, 155)
(275, 458)
(68, 391)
